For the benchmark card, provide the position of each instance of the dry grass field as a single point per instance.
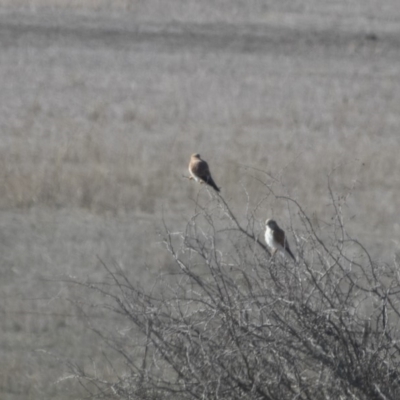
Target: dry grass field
(101, 105)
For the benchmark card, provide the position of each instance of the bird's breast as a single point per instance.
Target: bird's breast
(193, 175)
(269, 237)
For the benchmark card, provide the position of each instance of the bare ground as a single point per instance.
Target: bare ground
(102, 105)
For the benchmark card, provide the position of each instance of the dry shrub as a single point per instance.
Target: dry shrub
(232, 322)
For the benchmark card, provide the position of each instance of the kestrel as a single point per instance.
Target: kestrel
(200, 172)
(276, 239)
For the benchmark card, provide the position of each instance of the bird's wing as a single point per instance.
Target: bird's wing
(281, 239)
(279, 236)
(200, 169)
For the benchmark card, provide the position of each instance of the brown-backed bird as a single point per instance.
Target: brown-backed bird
(200, 172)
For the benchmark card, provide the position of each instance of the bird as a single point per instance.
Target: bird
(200, 172)
(276, 239)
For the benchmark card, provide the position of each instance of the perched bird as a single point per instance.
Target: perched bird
(200, 172)
(276, 239)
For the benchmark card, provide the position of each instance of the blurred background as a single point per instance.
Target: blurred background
(103, 101)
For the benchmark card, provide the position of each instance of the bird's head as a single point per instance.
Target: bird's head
(271, 223)
(195, 155)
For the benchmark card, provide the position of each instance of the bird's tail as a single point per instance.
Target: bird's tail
(211, 182)
(290, 253)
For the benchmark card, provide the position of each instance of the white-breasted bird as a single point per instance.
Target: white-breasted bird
(276, 239)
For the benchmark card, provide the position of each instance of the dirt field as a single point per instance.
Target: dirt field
(101, 106)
